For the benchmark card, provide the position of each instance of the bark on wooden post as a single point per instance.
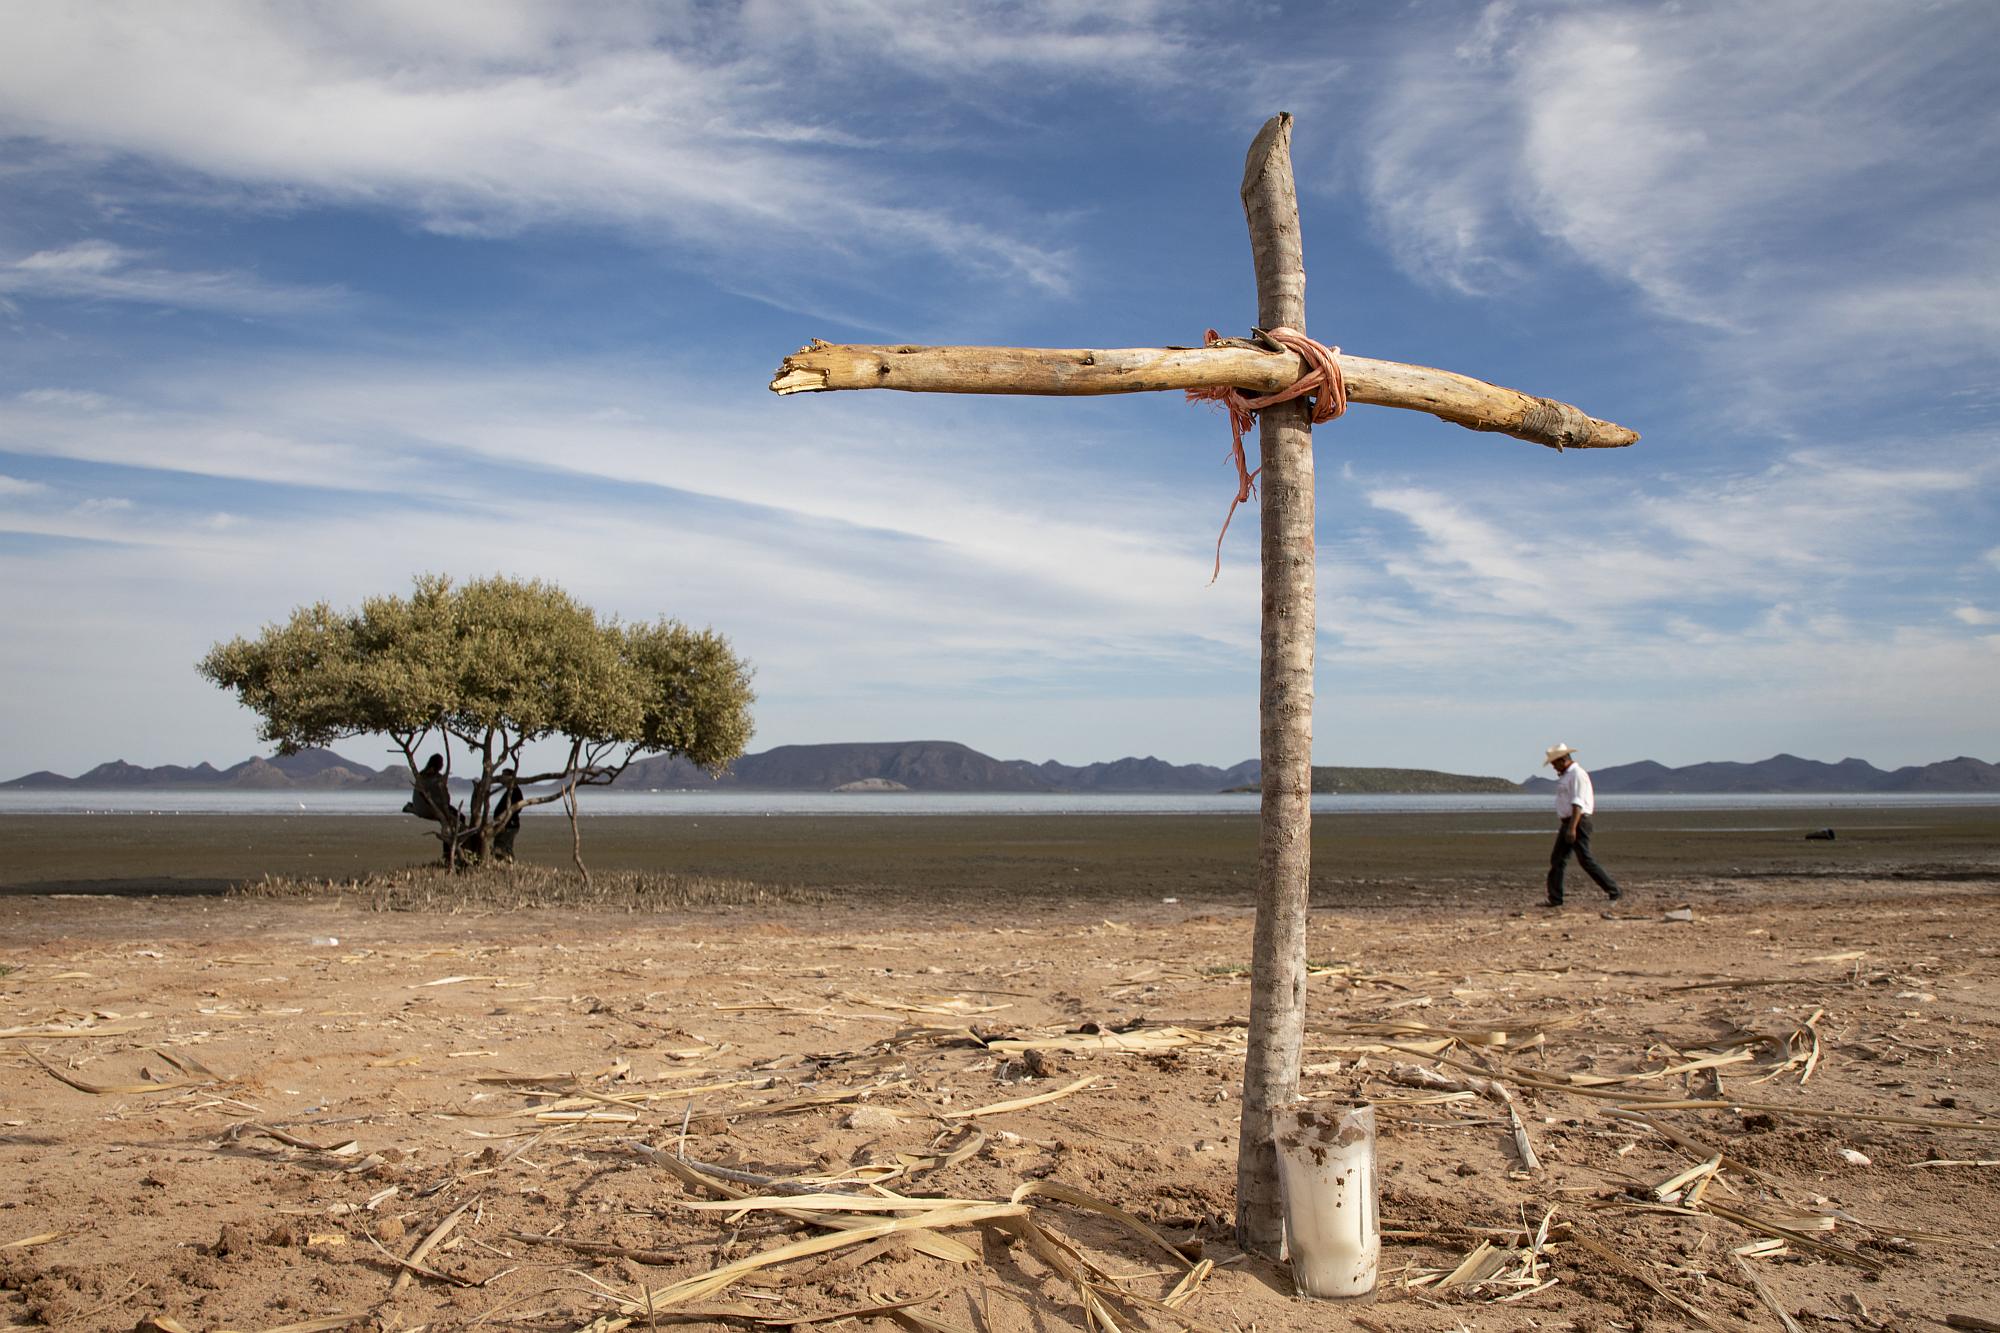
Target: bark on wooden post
(1285, 701)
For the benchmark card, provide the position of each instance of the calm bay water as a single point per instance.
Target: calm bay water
(712, 803)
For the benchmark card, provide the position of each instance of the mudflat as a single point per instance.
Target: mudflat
(1382, 858)
(259, 1114)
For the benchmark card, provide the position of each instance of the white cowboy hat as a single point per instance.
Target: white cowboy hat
(1555, 752)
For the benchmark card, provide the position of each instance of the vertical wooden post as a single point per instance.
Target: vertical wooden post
(1284, 860)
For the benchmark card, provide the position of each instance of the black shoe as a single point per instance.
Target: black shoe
(1553, 906)
(1614, 894)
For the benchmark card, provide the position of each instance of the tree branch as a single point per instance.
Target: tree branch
(1460, 399)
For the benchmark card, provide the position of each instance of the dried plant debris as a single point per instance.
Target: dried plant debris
(865, 1221)
(750, 1118)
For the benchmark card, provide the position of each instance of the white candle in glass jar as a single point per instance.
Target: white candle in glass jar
(1326, 1168)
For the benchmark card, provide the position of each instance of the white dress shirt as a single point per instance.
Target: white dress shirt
(1573, 789)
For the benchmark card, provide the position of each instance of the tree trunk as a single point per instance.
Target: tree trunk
(1284, 859)
(575, 833)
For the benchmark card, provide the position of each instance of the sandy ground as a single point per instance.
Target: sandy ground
(520, 1076)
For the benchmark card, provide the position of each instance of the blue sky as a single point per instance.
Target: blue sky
(299, 301)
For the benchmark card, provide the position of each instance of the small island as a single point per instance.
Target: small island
(1400, 782)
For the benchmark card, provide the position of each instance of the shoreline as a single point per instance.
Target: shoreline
(1102, 857)
(691, 807)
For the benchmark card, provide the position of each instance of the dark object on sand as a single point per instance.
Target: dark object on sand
(1820, 835)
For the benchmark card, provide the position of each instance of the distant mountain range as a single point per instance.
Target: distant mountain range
(1787, 773)
(937, 766)
(316, 770)
(946, 766)
(933, 766)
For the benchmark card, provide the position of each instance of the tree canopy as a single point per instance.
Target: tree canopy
(495, 665)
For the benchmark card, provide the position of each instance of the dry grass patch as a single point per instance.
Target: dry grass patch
(509, 888)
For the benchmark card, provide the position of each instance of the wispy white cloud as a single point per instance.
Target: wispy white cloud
(485, 119)
(1704, 562)
(912, 625)
(85, 257)
(991, 549)
(102, 271)
(1810, 184)
(1137, 40)
(1892, 697)
(84, 399)
(17, 486)
(1759, 610)
(1818, 512)
(1974, 615)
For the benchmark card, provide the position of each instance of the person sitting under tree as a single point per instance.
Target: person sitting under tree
(507, 817)
(430, 796)
(1575, 803)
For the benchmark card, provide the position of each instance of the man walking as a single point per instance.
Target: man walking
(1575, 802)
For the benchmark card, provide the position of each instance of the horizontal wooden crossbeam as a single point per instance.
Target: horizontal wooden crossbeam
(1459, 399)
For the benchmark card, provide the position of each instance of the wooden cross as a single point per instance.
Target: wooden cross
(1284, 863)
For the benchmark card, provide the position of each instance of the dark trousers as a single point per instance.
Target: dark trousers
(1559, 860)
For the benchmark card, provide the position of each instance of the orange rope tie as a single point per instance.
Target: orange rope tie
(1322, 380)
